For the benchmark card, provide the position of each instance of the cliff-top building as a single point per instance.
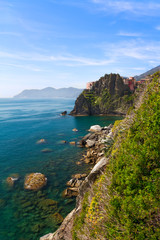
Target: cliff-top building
(131, 82)
(89, 85)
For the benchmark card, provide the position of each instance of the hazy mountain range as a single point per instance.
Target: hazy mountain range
(50, 92)
(150, 72)
(70, 92)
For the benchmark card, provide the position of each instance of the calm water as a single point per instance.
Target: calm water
(26, 215)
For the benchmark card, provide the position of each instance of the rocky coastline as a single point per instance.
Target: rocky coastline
(97, 142)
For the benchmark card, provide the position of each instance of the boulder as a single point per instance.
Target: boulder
(63, 113)
(90, 143)
(75, 130)
(47, 237)
(79, 175)
(72, 143)
(70, 192)
(95, 128)
(35, 181)
(78, 163)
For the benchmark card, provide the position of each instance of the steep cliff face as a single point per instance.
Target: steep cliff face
(107, 96)
(120, 197)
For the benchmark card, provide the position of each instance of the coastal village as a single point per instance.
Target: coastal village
(131, 82)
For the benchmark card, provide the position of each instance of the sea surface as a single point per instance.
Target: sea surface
(24, 214)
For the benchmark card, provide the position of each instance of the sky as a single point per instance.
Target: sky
(67, 43)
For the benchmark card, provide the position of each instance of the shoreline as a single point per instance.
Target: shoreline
(95, 143)
(99, 115)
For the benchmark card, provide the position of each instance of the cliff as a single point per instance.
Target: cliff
(119, 199)
(108, 95)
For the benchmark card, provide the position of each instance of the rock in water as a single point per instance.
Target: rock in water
(64, 113)
(75, 130)
(35, 181)
(46, 150)
(41, 141)
(72, 143)
(12, 179)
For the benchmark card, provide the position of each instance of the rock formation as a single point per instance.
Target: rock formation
(35, 181)
(105, 97)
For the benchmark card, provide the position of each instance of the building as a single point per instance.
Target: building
(89, 85)
(143, 80)
(131, 82)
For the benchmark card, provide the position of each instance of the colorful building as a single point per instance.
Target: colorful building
(131, 82)
(89, 85)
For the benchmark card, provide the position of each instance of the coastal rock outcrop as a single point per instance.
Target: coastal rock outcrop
(79, 184)
(35, 181)
(63, 113)
(12, 179)
(107, 96)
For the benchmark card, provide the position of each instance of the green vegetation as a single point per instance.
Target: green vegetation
(134, 205)
(79, 221)
(125, 204)
(103, 101)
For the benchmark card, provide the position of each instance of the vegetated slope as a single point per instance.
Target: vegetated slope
(50, 92)
(109, 95)
(124, 202)
(150, 72)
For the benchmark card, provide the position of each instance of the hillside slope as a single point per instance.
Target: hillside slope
(150, 72)
(124, 202)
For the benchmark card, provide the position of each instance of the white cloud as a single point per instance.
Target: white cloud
(134, 49)
(27, 67)
(158, 28)
(68, 60)
(129, 34)
(134, 7)
(11, 33)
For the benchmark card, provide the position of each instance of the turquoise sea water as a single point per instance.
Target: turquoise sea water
(24, 215)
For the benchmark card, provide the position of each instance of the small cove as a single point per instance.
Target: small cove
(25, 214)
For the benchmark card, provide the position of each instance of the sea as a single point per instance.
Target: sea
(26, 214)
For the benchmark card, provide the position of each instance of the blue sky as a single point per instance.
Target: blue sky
(63, 43)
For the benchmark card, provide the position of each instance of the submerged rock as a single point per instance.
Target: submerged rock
(35, 181)
(2, 203)
(41, 141)
(47, 205)
(46, 150)
(63, 141)
(55, 218)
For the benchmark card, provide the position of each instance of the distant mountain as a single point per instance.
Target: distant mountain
(50, 92)
(150, 72)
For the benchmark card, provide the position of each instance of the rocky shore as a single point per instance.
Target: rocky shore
(97, 142)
